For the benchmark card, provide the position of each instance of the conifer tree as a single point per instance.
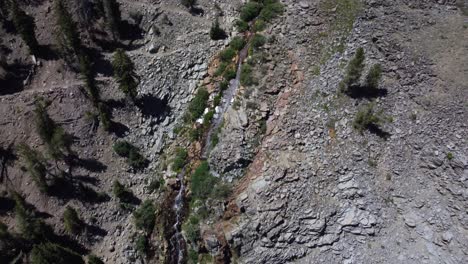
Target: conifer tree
(35, 166)
(216, 32)
(67, 33)
(113, 17)
(124, 73)
(25, 26)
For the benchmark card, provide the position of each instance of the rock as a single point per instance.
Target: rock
(304, 4)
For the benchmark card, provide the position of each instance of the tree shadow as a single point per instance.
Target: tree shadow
(116, 104)
(118, 129)
(96, 230)
(376, 130)
(130, 31)
(6, 205)
(67, 189)
(67, 242)
(14, 81)
(47, 52)
(151, 106)
(92, 165)
(100, 64)
(361, 91)
(196, 11)
(87, 179)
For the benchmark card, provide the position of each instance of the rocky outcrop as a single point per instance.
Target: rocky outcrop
(318, 191)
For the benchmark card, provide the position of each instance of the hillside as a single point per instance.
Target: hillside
(180, 131)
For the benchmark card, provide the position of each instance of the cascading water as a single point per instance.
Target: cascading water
(177, 242)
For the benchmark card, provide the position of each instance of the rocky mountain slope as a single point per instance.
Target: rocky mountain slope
(289, 176)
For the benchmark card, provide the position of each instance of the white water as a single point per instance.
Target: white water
(177, 240)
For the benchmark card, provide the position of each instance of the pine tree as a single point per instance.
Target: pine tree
(35, 165)
(355, 68)
(71, 221)
(216, 32)
(88, 76)
(113, 17)
(67, 34)
(25, 26)
(48, 253)
(124, 73)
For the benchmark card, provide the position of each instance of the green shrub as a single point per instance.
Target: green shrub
(450, 156)
(221, 191)
(237, 43)
(156, 184)
(229, 74)
(192, 256)
(214, 140)
(366, 117)
(93, 259)
(35, 165)
(258, 41)
(227, 55)
(142, 245)
(71, 221)
(132, 153)
(198, 104)
(121, 192)
(202, 181)
(188, 3)
(124, 73)
(180, 159)
(373, 77)
(259, 25)
(192, 229)
(195, 134)
(224, 85)
(217, 100)
(208, 117)
(246, 78)
(355, 67)
(104, 116)
(222, 67)
(250, 11)
(216, 32)
(50, 253)
(271, 9)
(241, 25)
(145, 216)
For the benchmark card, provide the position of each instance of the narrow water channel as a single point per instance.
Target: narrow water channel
(177, 242)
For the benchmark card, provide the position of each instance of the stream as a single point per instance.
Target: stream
(177, 242)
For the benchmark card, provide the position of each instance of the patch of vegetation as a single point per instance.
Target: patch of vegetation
(355, 68)
(192, 256)
(145, 216)
(217, 100)
(221, 68)
(30, 227)
(188, 3)
(227, 55)
(216, 32)
(57, 141)
(368, 118)
(237, 43)
(258, 41)
(132, 153)
(156, 184)
(271, 9)
(241, 25)
(180, 159)
(374, 76)
(71, 221)
(121, 192)
(229, 74)
(88, 76)
(450, 156)
(35, 165)
(25, 26)
(192, 229)
(223, 85)
(195, 134)
(53, 253)
(246, 78)
(93, 259)
(250, 11)
(259, 25)
(142, 245)
(104, 116)
(198, 104)
(124, 73)
(202, 182)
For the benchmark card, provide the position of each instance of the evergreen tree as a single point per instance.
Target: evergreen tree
(124, 73)
(71, 221)
(355, 68)
(35, 165)
(188, 3)
(67, 34)
(50, 253)
(25, 26)
(216, 32)
(30, 227)
(88, 76)
(113, 16)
